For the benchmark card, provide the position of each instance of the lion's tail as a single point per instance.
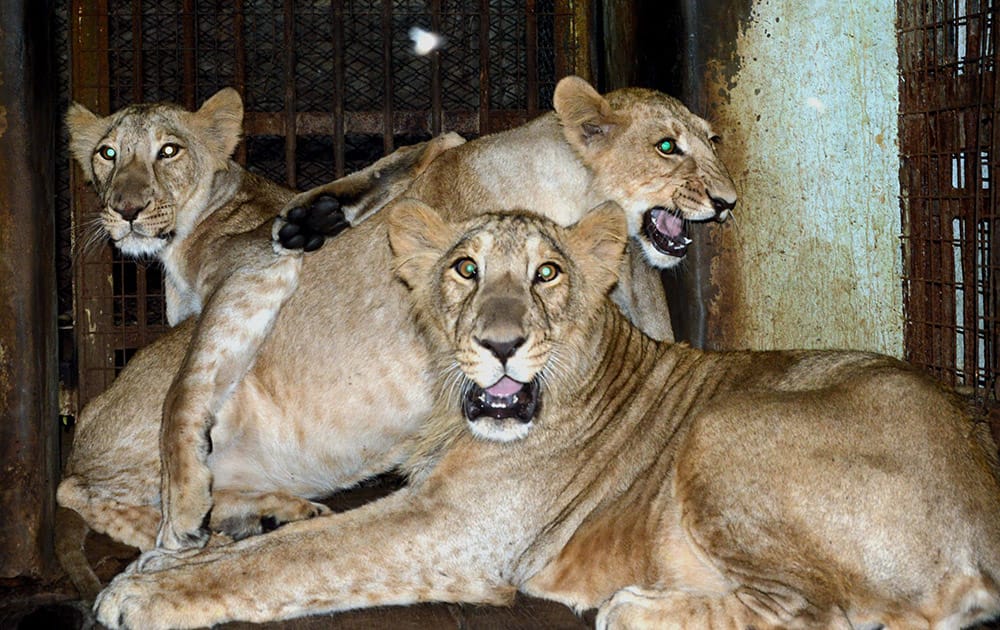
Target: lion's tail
(71, 535)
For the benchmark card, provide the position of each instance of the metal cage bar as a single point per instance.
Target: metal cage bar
(949, 146)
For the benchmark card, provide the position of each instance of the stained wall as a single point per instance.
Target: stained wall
(806, 100)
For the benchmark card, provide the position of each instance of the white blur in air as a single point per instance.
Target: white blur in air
(425, 42)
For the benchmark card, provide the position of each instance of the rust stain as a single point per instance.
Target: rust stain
(812, 259)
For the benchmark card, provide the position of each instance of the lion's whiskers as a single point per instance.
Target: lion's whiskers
(92, 236)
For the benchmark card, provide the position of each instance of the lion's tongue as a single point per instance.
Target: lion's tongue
(505, 387)
(668, 223)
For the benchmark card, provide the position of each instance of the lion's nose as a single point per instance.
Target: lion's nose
(502, 350)
(128, 211)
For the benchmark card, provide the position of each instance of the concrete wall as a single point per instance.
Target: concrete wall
(806, 102)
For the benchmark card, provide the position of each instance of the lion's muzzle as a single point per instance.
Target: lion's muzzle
(507, 399)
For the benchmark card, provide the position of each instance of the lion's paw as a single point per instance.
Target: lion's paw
(310, 222)
(131, 601)
(271, 517)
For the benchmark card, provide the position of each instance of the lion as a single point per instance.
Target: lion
(573, 458)
(309, 411)
(169, 190)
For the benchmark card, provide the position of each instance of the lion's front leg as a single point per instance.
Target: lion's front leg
(392, 552)
(324, 211)
(233, 325)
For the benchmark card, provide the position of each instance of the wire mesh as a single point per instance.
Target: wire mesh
(329, 86)
(950, 142)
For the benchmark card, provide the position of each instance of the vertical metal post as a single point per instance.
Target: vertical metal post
(290, 119)
(190, 36)
(339, 160)
(240, 67)
(387, 89)
(94, 310)
(137, 86)
(531, 56)
(437, 111)
(484, 67)
(28, 336)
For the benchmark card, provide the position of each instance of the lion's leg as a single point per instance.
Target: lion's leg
(637, 608)
(233, 325)
(239, 514)
(387, 553)
(326, 210)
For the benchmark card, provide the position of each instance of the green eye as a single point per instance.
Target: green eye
(168, 151)
(467, 268)
(107, 153)
(667, 146)
(547, 272)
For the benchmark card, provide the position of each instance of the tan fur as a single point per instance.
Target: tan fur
(668, 487)
(210, 222)
(341, 382)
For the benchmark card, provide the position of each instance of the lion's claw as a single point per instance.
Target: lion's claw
(307, 227)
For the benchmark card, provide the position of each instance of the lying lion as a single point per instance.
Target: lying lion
(299, 377)
(573, 458)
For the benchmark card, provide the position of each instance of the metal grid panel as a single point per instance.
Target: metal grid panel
(328, 85)
(950, 143)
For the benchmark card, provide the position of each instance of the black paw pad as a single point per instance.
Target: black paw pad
(308, 227)
(269, 524)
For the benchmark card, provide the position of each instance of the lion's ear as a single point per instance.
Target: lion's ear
(598, 241)
(220, 120)
(418, 236)
(85, 131)
(587, 119)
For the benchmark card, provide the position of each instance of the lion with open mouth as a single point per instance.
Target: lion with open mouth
(573, 458)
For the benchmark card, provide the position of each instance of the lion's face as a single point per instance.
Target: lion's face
(503, 295)
(153, 166)
(653, 157)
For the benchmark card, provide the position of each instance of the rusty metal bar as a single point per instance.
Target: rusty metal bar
(28, 336)
(240, 67)
(93, 309)
(991, 255)
(137, 86)
(437, 111)
(290, 118)
(387, 139)
(339, 90)
(484, 67)
(189, 34)
(531, 57)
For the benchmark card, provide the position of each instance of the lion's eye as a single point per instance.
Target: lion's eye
(466, 267)
(107, 153)
(667, 146)
(168, 151)
(547, 272)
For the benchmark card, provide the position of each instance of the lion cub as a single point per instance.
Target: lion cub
(573, 458)
(169, 189)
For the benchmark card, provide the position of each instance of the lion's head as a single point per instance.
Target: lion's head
(653, 157)
(153, 165)
(505, 296)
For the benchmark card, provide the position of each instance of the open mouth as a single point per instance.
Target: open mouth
(505, 399)
(665, 230)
